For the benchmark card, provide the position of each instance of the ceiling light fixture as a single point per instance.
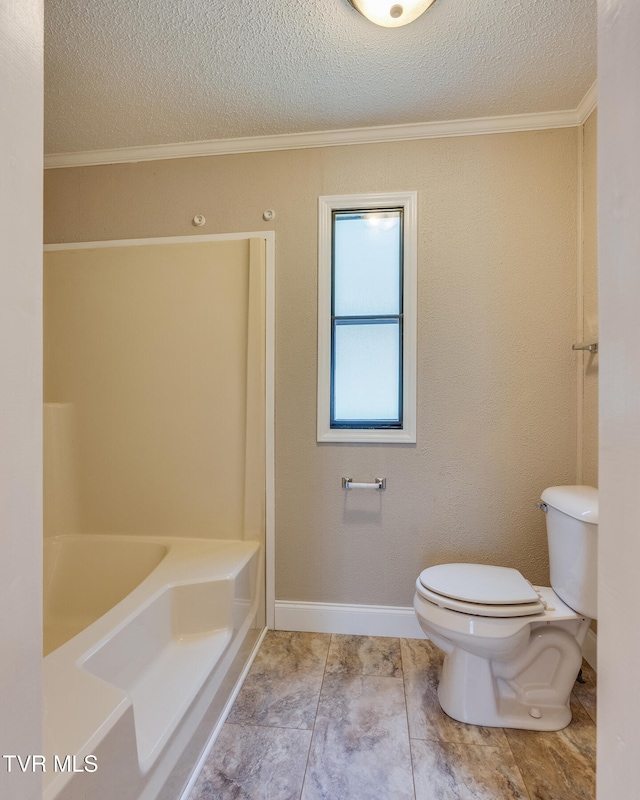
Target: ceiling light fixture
(391, 14)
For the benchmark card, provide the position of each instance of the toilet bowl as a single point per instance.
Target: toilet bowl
(513, 650)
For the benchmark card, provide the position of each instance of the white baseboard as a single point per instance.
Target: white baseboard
(396, 621)
(590, 649)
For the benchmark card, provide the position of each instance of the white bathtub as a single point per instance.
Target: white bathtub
(144, 640)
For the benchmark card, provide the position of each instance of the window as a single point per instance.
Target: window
(367, 318)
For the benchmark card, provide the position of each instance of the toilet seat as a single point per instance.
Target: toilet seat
(480, 589)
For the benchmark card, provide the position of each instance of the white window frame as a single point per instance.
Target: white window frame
(408, 201)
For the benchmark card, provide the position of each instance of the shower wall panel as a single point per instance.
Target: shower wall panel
(146, 345)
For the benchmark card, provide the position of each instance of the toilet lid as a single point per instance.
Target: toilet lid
(501, 591)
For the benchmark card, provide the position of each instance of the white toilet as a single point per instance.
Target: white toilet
(513, 650)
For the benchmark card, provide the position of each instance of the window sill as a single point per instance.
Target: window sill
(380, 436)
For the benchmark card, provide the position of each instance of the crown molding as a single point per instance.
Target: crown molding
(334, 138)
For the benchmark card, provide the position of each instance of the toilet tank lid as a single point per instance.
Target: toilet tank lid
(580, 502)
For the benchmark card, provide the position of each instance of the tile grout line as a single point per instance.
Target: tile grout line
(315, 716)
(306, 765)
(406, 712)
(267, 727)
(435, 739)
(517, 763)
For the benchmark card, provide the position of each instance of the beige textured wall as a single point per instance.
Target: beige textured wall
(590, 301)
(146, 347)
(496, 375)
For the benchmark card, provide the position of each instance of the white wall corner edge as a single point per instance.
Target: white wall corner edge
(359, 620)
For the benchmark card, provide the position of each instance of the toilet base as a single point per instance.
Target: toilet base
(531, 691)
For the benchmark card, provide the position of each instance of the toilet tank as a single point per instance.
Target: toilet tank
(572, 533)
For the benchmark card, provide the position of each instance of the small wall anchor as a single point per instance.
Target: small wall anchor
(592, 347)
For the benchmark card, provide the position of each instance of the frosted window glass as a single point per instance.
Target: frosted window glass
(366, 372)
(366, 263)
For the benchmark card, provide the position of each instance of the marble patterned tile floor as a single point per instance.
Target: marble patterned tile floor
(335, 717)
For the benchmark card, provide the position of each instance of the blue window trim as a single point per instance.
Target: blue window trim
(327, 205)
(382, 319)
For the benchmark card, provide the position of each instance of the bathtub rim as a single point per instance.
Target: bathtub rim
(176, 547)
(188, 560)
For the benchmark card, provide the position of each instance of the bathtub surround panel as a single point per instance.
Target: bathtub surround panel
(496, 374)
(149, 345)
(256, 381)
(60, 465)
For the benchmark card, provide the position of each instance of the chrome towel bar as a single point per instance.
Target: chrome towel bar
(379, 483)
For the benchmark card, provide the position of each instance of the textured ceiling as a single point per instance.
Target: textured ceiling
(121, 73)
